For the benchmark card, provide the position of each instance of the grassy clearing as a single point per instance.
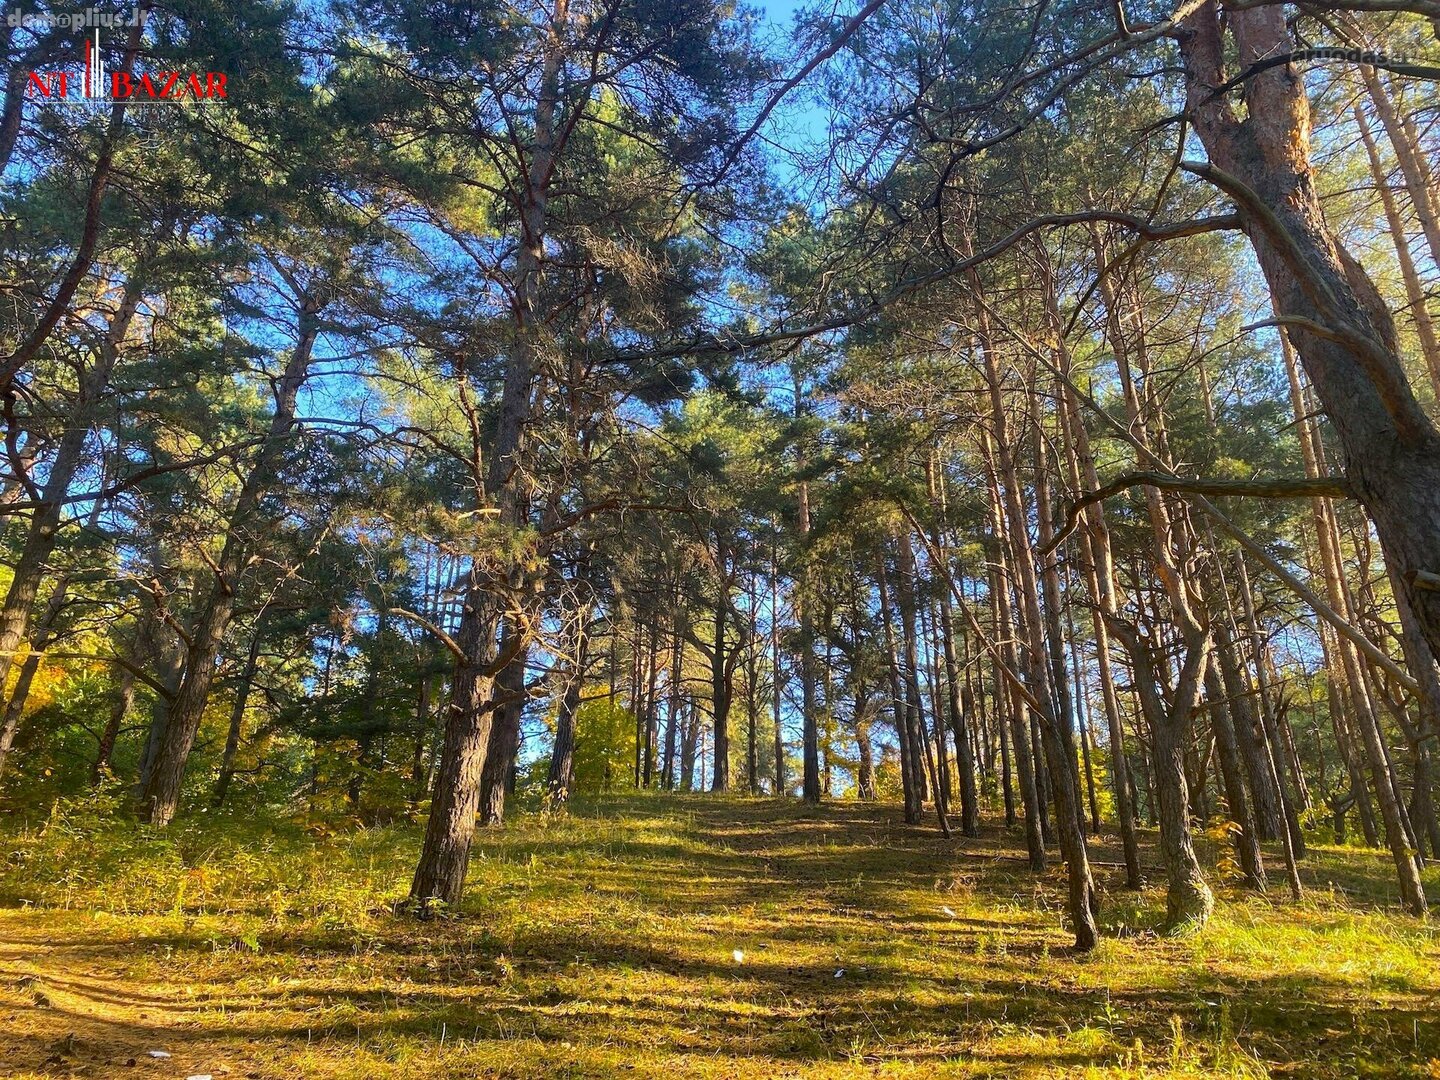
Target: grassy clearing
(605, 944)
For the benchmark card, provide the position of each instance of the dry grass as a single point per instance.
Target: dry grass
(604, 944)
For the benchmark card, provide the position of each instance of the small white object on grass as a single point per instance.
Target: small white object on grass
(157, 1053)
(947, 911)
(739, 955)
(200, 1076)
(839, 973)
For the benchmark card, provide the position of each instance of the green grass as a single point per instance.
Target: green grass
(603, 944)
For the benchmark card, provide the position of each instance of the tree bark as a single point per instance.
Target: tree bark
(1246, 838)
(504, 741)
(450, 831)
(561, 778)
(1333, 313)
(161, 794)
(237, 722)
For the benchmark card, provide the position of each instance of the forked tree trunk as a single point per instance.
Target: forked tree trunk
(450, 831)
(1188, 899)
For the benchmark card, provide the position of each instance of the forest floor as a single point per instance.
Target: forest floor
(692, 936)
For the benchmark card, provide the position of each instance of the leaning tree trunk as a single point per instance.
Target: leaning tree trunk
(161, 794)
(1415, 295)
(33, 562)
(1335, 318)
(1058, 746)
(237, 723)
(44, 634)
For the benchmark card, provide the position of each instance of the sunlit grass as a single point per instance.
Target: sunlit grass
(699, 936)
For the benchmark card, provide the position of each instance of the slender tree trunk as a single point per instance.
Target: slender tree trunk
(1249, 739)
(124, 699)
(1410, 159)
(561, 778)
(1058, 745)
(672, 706)
(899, 694)
(810, 781)
(1289, 778)
(1189, 900)
(720, 691)
(910, 665)
(237, 722)
(1015, 707)
(688, 750)
(964, 759)
(1095, 553)
(652, 715)
(1082, 717)
(781, 786)
(419, 776)
(1246, 838)
(1414, 289)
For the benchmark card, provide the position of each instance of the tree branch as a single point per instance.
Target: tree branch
(1333, 487)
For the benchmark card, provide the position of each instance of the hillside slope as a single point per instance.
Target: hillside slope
(677, 937)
